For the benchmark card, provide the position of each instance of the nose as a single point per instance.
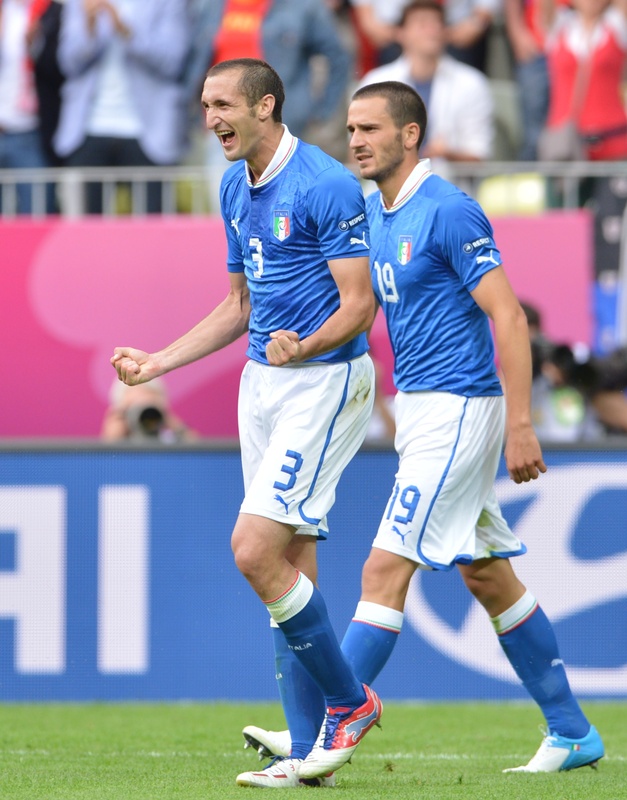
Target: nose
(355, 140)
(211, 118)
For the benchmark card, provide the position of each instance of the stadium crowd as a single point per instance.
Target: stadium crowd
(76, 75)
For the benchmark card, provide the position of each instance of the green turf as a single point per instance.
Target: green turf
(159, 751)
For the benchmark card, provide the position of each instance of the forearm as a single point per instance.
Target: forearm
(349, 321)
(226, 323)
(512, 341)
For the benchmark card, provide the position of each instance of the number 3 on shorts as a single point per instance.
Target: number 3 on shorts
(291, 470)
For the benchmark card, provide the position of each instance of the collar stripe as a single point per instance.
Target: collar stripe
(267, 178)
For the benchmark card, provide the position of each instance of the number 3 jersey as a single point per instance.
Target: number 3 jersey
(305, 210)
(428, 252)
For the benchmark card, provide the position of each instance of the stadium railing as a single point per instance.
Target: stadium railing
(513, 185)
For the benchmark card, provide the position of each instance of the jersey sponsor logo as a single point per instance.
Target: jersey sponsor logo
(578, 576)
(347, 224)
(470, 246)
(281, 227)
(235, 224)
(403, 253)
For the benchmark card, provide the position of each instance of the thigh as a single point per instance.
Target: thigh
(299, 429)
(449, 448)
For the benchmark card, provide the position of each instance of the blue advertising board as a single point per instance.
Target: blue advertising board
(117, 580)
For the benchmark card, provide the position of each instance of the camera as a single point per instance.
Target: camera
(145, 422)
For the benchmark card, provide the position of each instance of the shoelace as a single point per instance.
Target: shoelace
(274, 762)
(330, 727)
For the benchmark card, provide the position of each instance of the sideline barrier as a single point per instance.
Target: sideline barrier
(117, 580)
(78, 289)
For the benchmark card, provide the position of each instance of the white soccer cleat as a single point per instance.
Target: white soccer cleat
(282, 773)
(341, 732)
(558, 753)
(267, 743)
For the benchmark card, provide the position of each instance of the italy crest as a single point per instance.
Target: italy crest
(281, 225)
(403, 254)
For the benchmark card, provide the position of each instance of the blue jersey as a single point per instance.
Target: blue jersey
(305, 210)
(428, 252)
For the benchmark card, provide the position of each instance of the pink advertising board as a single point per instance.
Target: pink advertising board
(73, 290)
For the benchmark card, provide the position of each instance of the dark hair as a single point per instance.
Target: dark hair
(257, 79)
(421, 5)
(532, 313)
(404, 104)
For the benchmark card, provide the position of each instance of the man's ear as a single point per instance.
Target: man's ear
(266, 107)
(411, 135)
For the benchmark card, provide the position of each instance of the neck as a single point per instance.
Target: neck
(422, 67)
(264, 153)
(390, 187)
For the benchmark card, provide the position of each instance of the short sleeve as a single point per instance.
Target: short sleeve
(337, 208)
(234, 257)
(466, 239)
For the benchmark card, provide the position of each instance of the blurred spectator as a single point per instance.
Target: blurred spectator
(42, 36)
(140, 413)
(20, 135)
(458, 98)
(122, 101)
(587, 53)
(377, 21)
(575, 396)
(526, 37)
(288, 35)
(468, 25)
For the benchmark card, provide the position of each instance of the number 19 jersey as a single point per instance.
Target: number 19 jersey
(428, 252)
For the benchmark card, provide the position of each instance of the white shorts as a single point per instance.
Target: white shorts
(299, 428)
(443, 509)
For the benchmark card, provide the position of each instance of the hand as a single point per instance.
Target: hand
(134, 366)
(284, 347)
(523, 455)
(94, 7)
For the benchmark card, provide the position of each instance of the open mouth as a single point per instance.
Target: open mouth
(226, 137)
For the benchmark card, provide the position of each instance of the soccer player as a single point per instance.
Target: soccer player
(437, 274)
(300, 285)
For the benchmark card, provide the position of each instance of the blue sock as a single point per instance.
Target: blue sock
(528, 640)
(302, 615)
(303, 703)
(370, 639)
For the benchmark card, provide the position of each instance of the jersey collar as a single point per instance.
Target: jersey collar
(282, 155)
(419, 173)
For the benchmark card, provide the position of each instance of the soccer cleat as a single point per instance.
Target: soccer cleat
(341, 732)
(282, 773)
(557, 753)
(267, 743)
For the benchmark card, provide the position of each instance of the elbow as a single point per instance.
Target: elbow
(368, 313)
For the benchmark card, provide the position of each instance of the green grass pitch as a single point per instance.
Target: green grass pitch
(194, 751)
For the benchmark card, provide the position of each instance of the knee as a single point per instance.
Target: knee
(385, 579)
(248, 559)
(482, 588)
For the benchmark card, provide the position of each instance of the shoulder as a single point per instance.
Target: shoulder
(323, 172)
(451, 204)
(395, 71)
(463, 75)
